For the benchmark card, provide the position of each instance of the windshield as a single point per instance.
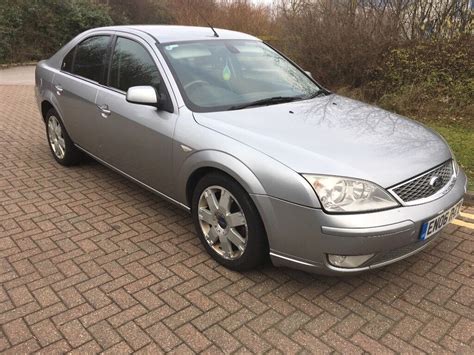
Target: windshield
(231, 74)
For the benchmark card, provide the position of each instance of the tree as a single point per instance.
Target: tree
(32, 30)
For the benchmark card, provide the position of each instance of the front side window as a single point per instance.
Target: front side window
(132, 65)
(91, 57)
(228, 74)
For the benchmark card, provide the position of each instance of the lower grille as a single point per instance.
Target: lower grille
(394, 254)
(397, 253)
(422, 186)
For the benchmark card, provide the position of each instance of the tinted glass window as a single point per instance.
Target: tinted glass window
(91, 57)
(67, 62)
(132, 65)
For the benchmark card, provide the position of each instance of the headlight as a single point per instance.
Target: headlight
(338, 194)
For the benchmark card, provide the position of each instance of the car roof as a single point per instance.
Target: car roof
(173, 33)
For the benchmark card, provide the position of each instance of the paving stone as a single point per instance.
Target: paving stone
(104, 334)
(134, 336)
(193, 337)
(17, 331)
(75, 333)
(163, 336)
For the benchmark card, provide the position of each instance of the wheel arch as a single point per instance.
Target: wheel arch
(237, 171)
(198, 174)
(203, 162)
(48, 104)
(45, 107)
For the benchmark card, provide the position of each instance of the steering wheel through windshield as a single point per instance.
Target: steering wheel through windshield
(195, 82)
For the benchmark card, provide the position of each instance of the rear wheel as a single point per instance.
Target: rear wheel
(61, 145)
(228, 223)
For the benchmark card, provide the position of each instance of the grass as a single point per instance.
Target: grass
(461, 141)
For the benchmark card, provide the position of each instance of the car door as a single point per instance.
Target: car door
(136, 139)
(75, 87)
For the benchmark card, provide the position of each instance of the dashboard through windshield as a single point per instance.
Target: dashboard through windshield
(218, 75)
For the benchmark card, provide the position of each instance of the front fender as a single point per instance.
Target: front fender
(221, 161)
(258, 173)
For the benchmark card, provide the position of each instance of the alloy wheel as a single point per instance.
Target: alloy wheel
(222, 222)
(56, 138)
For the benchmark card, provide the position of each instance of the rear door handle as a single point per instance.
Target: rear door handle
(104, 110)
(59, 89)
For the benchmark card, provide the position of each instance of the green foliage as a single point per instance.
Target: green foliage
(32, 30)
(35, 29)
(433, 78)
(139, 11)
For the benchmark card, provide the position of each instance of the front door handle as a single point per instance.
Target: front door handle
(59, 89)
(104, 110)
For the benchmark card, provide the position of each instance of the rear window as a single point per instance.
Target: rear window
(67, 61)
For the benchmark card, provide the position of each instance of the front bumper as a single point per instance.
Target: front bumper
(301, 237)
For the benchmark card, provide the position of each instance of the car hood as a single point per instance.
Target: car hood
(334, 135)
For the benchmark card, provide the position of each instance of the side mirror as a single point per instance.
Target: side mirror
(308, 73)
(143, 95)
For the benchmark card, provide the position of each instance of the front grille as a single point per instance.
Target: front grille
(420, 187)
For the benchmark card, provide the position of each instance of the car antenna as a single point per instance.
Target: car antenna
(212, 28)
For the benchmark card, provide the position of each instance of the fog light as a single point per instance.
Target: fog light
(348, 261)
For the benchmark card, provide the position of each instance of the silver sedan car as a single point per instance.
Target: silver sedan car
(268, 162)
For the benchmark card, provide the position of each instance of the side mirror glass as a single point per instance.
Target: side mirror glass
(308, 73)
(144, 95)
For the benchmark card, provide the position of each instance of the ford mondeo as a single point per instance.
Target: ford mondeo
(268, 162)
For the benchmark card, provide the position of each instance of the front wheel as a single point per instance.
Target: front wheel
(228, 223)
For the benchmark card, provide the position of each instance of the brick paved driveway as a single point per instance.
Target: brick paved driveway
(91, 262)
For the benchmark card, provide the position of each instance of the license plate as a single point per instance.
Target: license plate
(436, 224)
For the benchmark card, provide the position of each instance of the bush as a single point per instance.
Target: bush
(237, 15)
(35, 30)
(138, 11)
(413, 57)
(432, 78)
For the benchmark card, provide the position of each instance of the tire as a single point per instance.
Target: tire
(60, 144)
(221, 224)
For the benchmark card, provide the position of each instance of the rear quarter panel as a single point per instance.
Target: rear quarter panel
(44, 76)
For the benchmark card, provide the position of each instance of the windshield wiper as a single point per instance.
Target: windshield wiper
(268, 101)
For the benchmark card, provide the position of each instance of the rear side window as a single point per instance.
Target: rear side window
(91, 58)
(132, 65)
(67, 61)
